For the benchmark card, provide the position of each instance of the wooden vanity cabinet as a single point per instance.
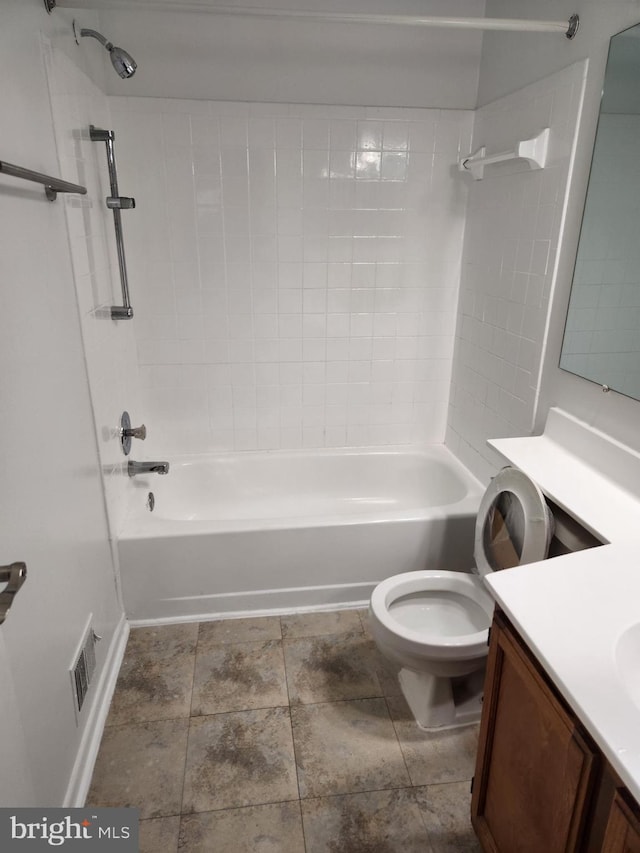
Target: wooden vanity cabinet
(536, 767)
(623, 829)
(541, 784)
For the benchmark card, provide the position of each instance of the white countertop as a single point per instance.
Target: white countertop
(571, 611)
(587, 473)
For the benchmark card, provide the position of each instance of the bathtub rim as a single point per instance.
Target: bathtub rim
(139, 524)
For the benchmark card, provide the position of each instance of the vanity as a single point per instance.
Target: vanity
(541, 782)
(558, 766)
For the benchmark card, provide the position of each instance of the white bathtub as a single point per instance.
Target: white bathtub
(278, 531)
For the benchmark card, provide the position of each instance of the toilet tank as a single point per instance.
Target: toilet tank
(569, 535)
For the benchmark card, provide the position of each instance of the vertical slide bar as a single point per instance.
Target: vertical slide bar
(115, 202)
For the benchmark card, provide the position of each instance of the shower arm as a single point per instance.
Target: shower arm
(116, 203)
(96, 35)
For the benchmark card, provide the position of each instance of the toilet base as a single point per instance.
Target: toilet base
(442, 703)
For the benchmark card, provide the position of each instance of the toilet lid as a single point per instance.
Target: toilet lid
(514, 525)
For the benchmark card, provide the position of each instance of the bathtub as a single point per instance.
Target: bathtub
(273, 532)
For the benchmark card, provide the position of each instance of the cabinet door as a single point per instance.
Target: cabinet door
(623, 829)
(534, 771)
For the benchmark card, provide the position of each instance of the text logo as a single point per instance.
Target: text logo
(30, 829)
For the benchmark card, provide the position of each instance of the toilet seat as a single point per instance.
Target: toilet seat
(514, 525)
(427, 583)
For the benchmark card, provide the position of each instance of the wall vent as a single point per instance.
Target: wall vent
(83, 668)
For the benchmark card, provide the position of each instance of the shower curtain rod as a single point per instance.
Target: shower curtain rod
(569, 28)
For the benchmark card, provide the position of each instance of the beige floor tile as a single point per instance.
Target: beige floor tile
(251, 630)
(272, 828)
(152, 690)
(159, 835)
(141, 765)
(163, 640)
(380, 821)
(446, 812)
(434, 757)
(146, 691)
(344, 747)
(357, 753)
(363, 613)
(325, 669)
(320, 624)
(238, 677)
(387, 672)
(239, 759)
(156, 676)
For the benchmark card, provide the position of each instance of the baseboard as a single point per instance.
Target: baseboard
(82, 772)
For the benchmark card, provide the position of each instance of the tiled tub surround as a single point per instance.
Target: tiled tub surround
(234, 533)
(513, 230)
(295, 270)
(284, 734)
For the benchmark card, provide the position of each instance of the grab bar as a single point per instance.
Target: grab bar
(116, 203)
(52, 186)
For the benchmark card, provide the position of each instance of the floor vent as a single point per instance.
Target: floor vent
(83, 668)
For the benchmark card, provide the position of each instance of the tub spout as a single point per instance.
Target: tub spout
(134, 468)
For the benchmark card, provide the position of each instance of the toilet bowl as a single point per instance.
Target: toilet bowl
(434, 624)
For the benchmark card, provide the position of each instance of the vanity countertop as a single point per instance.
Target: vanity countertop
(572, 611)
(589, 474)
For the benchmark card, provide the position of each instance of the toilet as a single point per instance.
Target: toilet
(434, 624)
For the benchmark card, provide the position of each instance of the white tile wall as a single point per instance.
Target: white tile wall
(602, 337)
(294, 270)
(109, 346)
(513, 227)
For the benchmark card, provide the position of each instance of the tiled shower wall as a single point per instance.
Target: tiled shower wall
(294, 270)
(513, 230)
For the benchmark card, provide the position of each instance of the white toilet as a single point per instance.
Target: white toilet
(434, 624)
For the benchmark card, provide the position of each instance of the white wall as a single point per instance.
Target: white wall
(217, 57)
(51, 502)
(513, 230)
(508, 64)
(110, 351)
(295, 270)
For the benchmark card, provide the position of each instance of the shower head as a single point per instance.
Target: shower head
(122, 61)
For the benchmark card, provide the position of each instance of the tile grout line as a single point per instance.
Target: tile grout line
(186, 752)
(399, 742)
(293, 740)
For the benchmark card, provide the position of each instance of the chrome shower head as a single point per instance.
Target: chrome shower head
(122, 61)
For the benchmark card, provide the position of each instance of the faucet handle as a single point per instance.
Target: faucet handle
(136, 432)
(127, 432)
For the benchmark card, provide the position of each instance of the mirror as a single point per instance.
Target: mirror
(602, 333)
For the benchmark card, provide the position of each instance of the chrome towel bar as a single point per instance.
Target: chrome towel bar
(14, 576)
(52, 186)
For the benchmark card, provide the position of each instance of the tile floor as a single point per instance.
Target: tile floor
(278, 735)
